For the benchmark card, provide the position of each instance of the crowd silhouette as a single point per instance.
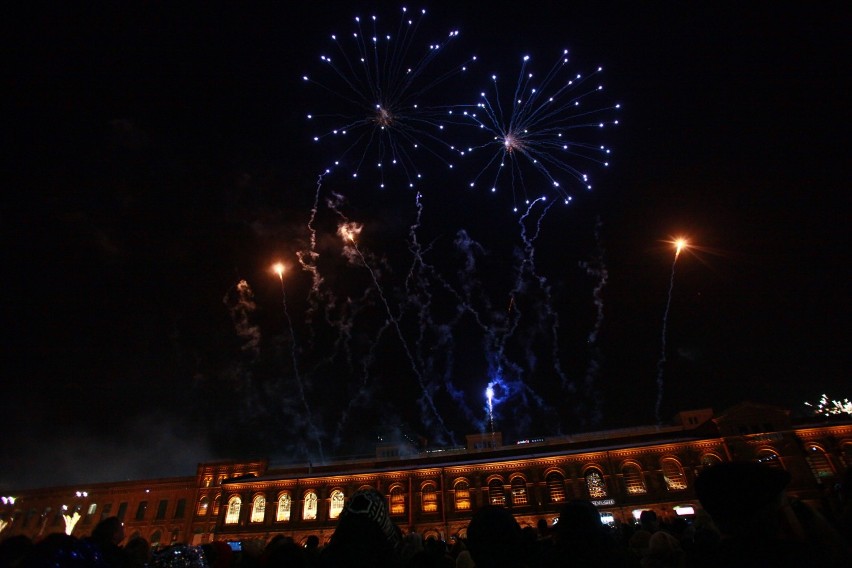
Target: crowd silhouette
(746, 519)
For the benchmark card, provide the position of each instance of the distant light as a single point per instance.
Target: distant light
(684, 509)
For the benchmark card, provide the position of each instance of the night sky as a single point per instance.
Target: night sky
(160, 155)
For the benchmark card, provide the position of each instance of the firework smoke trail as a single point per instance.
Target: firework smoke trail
(364, 391)
(279, 269)
(597, 269)
(679, 245)
(348, 231)
(349, 234)
(433, 337)
(241, 306)
(308, 258)
(528, 267)
(239, 376)
(506, 376)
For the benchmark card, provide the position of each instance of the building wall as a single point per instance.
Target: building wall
(655, 469)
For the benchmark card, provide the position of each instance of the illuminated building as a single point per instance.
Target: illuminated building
(436, 492)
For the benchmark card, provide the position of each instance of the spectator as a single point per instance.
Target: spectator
(365, 536)
(106, 538)
(759, 524)
(494, 538)
(581, 539)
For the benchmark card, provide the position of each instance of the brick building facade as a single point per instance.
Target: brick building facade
(436, 492)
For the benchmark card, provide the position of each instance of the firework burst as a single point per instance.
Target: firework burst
(382, 114)
(828, 407)
(548, 130)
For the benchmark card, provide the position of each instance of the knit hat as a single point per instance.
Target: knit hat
(369, 504)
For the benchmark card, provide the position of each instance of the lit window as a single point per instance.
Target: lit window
(595, 484)
(820, 466)
(633, 481)
(496, 496)
(462, 495)
(770, 458)
(519, 491)
(709, 460)
(216, 503)
(310, 511)
(397, 501)
(429, 498)
(92, 508)
(232, 516)
(258, 508)
(673, 474)
(284, 504)
(336, 504)
(556, 487)
(203, 506)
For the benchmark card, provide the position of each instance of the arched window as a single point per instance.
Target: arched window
(770, 458)
(709, 460)
(429, 498)
(595, 484)
(232, 516)
(258, 509)
(155, 539)
(673, 474)
(282, 514)
(633, 480)
(203, 506)
(309, 513)
(216, 502)
(397, 501)
(519, 491)
(336, 506)
(556, 487)
(496, 496)
(462, 495)
(820, 466)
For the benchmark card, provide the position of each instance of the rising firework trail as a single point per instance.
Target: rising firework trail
(348, 231)
(278, 268)
(679, 245)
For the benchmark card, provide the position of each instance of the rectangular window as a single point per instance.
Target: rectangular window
(430, 502)
(122, 511)
(90, 513)
(140, 511)
(283, 508)
(161, 509)
(106, 511)
(180, 510)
